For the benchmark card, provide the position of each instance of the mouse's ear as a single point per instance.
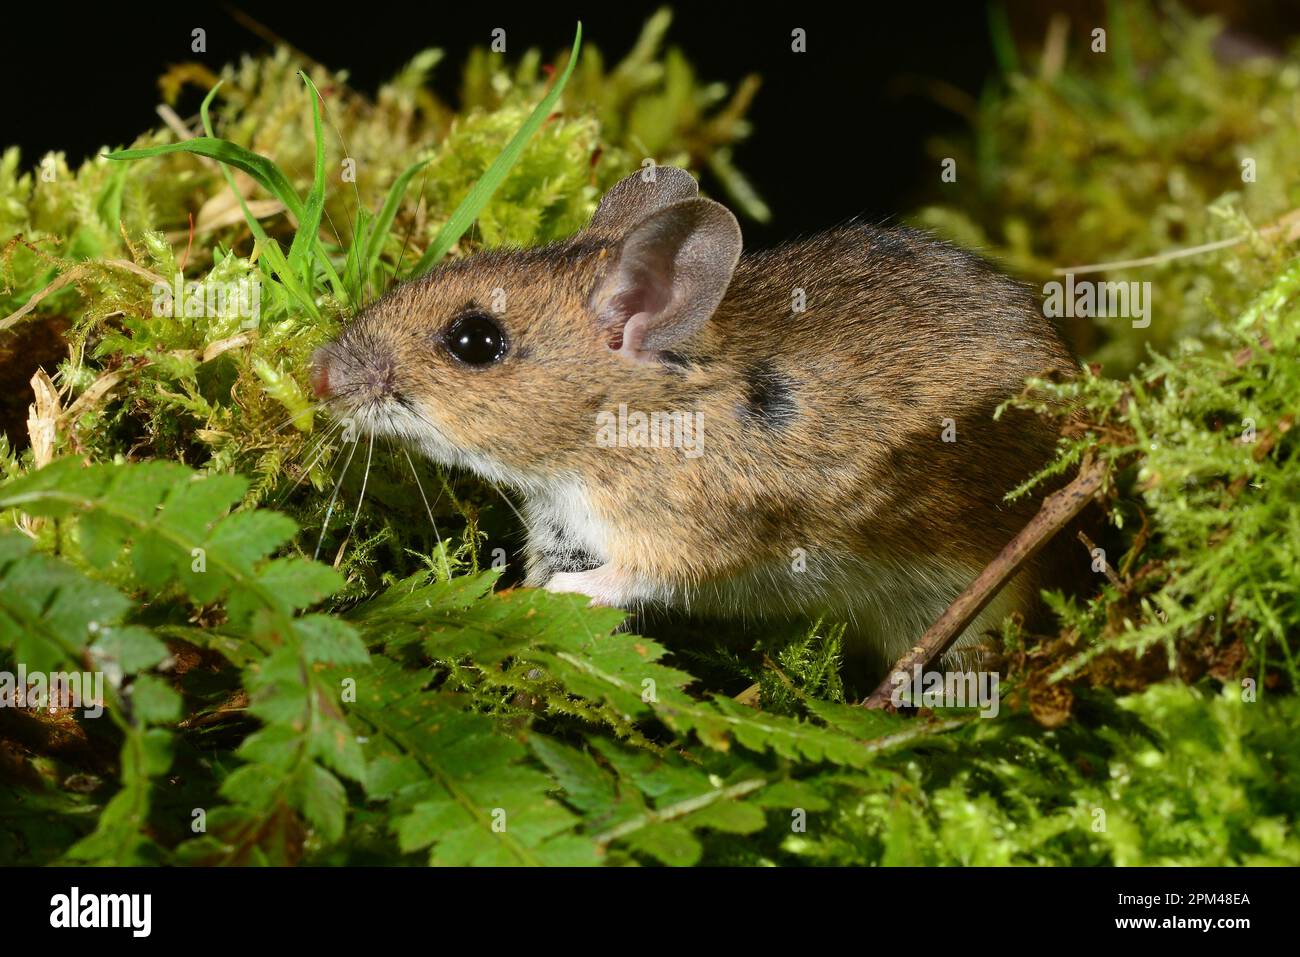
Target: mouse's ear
(666, 277)
(635, 197)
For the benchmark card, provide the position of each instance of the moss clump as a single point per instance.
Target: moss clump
(1163, 142)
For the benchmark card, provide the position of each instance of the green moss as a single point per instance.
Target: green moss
(1082, 157)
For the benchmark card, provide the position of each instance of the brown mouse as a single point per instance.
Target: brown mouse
(824, 442)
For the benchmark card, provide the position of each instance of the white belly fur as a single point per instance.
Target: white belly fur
(887, 602)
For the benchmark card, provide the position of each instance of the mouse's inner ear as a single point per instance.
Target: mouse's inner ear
(666, 278)
(635, 197)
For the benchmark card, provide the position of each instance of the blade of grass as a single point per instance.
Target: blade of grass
(270, 247)
(1002, 41)
(309, 228)
(1121, 44)
(305, 241)
(378, 231)
(270, 177)
(487, 185)
(353, 279)
(267, 174)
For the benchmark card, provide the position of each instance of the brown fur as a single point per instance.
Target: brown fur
(822, 429)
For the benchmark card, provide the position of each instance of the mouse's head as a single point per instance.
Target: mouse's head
(500, 361)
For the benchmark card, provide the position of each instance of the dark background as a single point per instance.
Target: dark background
(838, 131)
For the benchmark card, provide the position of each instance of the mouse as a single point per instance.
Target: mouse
(802, 431)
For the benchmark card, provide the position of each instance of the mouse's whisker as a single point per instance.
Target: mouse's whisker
(317, 451)
(329, 512)
(354, 214)
(506, 498)
(406, 241)
(365, 479)
(313, 446)
(313, 407)
(428, 509)
(304, 460)
(492, 485)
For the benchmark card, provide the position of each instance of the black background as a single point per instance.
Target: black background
(894, 910)
(840, 131)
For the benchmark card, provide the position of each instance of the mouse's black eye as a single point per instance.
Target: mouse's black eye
(476, 339)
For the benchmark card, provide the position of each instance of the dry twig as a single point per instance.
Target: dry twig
(1057, 511)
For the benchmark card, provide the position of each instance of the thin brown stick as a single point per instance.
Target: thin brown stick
(1288, 226)
(79, 271)
(1091, 546)
(1057, 511)
(12, 319)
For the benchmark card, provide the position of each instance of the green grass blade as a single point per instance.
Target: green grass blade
(487, 184)
(1000, 37)
(355, 255)
(271, 178)
(270, 248)
(267, 174)
(306, 240)
(374, 244)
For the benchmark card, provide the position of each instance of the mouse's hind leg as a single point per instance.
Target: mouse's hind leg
(548, 553)
(606, 584)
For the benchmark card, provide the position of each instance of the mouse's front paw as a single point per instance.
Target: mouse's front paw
(604, 586)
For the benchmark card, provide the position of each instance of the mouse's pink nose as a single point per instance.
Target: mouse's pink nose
(320, 374)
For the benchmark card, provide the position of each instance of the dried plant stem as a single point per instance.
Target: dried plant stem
(1057, 511)
(1288, 226)
(72, 275)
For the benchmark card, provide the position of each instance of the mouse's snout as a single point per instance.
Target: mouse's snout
(354, 370)
(320, 373)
